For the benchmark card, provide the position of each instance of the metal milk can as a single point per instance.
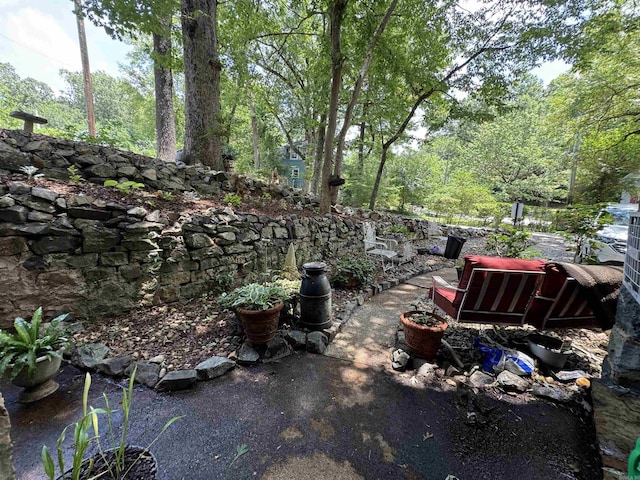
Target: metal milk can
(315, 297)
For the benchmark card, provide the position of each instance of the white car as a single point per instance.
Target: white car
(613, 237)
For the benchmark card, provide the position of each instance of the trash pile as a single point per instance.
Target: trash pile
(518, 361)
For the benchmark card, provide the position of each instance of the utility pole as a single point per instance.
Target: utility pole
(86, 71)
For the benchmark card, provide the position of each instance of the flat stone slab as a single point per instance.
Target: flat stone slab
(214, 367)
(178, 380)
(114, 366)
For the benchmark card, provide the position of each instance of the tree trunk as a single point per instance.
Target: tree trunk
(254, 135)
(364, 69)
(86, 70)
(337, 11)
(317, 160)
(202, 67)
(163, 76)
(363, 127)
(376, 184)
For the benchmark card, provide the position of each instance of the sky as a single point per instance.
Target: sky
(39, 37)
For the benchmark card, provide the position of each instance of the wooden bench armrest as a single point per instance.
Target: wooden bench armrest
(442, 283)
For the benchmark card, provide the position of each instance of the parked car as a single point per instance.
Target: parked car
(612, 238)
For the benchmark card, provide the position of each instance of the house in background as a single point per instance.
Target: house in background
(633, 184)
(294, 166)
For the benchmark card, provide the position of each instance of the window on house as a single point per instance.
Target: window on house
(293, 155)
(295, 172)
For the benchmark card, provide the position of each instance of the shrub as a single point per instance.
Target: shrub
(353, 271)
(510, 243)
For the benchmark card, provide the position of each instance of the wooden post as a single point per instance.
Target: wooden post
(86, 71)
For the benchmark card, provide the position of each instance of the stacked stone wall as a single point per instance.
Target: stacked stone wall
(74, 253)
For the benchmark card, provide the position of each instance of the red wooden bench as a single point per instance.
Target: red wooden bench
(491, 290)
(514, 291)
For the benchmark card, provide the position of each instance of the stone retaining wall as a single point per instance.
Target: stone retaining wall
(73, 253)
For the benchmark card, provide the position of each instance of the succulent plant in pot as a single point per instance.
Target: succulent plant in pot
(31, 356)
(258, 307)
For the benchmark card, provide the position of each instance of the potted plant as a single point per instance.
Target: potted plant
(115, 458)
(31, 357)
(423, 332)
(258, 308)
(352, 272)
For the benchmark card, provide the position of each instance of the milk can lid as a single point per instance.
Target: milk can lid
(318, 267)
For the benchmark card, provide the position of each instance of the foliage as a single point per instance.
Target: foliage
(580, 224)
(127, 187)
(117, 468)
(240, 450)
(254, 296)
(232, 199)
(81, 441)
(424, 318)
(400, 229)
(74, 177)
(166, 196)
(353, 269)
(510, 243)
(221, 281)
(29, 343)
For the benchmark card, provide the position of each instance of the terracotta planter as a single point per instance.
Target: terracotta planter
(423, 340)
(39, 385)
(260, 326)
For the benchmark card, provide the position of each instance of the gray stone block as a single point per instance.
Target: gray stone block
(114, 366)
(214, 367)
(247, 354)
(317, 342)
(178, 380)
(14, 214)
(146, 373)
(277, 349)
(512, 382)
(88, 356)
(297, 339)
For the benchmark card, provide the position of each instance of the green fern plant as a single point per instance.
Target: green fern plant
(23, 348)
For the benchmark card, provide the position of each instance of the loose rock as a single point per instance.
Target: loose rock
(480, 379)
(114, 366)
(178, 380)
(511, 382)
(399, 360)
(214, 367)
(248, 355)
(317, 342)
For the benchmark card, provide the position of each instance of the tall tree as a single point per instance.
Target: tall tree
(128, 18)
(337, 10)
(202, 68)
